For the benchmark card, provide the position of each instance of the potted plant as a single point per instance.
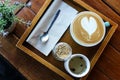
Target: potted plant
(7, 16)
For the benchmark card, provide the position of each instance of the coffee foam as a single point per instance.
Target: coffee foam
(89, 25)
(84, 36)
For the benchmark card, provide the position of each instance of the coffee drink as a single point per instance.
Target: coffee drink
(87, 29)
(78, 65)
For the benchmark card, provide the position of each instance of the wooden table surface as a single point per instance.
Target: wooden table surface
(107, 67)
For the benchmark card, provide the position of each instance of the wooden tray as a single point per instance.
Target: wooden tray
(92, 53)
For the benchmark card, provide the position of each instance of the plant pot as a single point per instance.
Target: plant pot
(5, 32)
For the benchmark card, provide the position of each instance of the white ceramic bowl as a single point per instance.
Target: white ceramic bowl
(87, 62)
(81, 42)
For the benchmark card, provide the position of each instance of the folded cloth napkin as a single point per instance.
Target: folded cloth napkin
(66, 16)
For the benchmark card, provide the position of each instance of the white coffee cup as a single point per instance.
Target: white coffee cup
(87, 29)
(78, 65)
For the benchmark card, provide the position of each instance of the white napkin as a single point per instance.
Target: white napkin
(61, 24)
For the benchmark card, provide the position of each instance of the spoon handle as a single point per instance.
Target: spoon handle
(55, 17)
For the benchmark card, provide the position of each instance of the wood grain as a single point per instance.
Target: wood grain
(97, 74)
(10, 52)
(109, 63)
(49, 61)
(36, 5)
(32, 70)
(114, 5)
(37, 71)
(23, 14)
(115, 41)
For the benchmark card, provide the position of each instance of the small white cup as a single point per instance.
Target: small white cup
(78, 66)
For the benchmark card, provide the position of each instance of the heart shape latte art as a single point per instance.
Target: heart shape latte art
(89, 25)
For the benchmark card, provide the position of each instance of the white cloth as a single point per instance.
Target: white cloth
(61, 24)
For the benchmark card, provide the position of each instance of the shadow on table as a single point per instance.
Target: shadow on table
(8, 72)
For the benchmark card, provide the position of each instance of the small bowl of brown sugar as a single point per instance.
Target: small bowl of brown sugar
(62, 51)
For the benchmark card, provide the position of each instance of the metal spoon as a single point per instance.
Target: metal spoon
(44, 36)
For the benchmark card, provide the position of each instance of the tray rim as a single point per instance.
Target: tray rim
(49, 65)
